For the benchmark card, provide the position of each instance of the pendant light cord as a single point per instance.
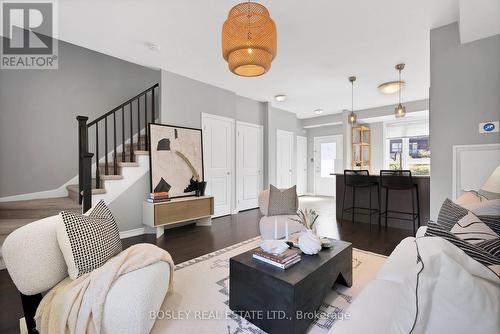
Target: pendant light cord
(352, 96)
(400, 86)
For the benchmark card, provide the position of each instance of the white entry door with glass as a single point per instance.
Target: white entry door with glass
(328, 159)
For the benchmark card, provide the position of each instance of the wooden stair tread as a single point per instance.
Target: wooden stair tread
(37, 208)
(43, 203)
(9, 225)
(119, 164)
(74, 188)
(111, 177)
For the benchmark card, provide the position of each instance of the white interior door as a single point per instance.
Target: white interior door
(284, 155)
(218, 141)
(328, 159)
(301, 165)
(249, 164)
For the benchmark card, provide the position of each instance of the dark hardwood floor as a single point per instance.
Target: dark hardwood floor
(190, 241)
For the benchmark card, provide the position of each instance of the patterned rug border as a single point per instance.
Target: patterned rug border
(230, 248)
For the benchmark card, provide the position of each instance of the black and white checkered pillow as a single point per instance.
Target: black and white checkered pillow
(88, 241)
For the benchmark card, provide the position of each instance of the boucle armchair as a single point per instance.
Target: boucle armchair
(266, 224)
(36, 264)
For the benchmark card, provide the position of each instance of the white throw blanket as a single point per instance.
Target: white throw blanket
(76, 306)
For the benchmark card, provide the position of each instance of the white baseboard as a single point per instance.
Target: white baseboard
(132, 233)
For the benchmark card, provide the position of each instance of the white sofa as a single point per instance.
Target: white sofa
(378, 307)
(36, 264)
(266, 224)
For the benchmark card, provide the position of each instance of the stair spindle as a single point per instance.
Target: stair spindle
(131, 135)
(138, 124)
(115, 167)
(106, 171)
(153, 105)
(146, 121)
(97, 174)
(123, 134)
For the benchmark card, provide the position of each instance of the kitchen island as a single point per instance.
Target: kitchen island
(399, 200)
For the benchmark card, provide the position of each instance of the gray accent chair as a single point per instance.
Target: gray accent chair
(266, 224)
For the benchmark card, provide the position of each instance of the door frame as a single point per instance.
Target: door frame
(204, 116)
(238, 154)
(297, 161)
(292, 155)
(339, 136)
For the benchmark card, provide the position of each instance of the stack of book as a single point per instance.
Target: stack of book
(284, 260)
(158, 197)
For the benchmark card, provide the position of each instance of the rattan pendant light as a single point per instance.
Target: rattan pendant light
(249, 39)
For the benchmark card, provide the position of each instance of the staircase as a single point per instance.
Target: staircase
(19, 213)
(107, 174)
(121, 134)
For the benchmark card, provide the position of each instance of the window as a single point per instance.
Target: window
(328, 155)
(407, 147)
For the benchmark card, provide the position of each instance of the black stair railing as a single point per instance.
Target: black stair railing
(125, 113)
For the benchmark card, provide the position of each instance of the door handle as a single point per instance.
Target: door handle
(228, 173)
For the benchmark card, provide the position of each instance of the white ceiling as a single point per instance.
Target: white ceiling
(320, 44)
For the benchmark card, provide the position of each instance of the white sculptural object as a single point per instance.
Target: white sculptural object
(309, 243)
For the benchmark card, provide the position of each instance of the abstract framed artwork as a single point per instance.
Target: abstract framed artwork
(176, 159)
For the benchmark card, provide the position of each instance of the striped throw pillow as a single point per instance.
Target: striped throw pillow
(474, 251)
(491, 246)
(471, 229)
(493, 222)
(449, 214)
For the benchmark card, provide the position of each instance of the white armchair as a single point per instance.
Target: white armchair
(36, 264)
(266, 224)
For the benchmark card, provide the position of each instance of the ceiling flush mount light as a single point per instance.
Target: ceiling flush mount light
(391, 87)
(153, 46)
(318, 111)
(400, 110)
(280, 98)
(352, 116)
(249, 39)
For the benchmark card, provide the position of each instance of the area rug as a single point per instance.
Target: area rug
(199, 302)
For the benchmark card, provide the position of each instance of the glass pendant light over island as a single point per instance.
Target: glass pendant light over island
(352, 116)
(249, 39)
(400, 110)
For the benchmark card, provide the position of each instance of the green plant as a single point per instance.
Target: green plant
(420, 169)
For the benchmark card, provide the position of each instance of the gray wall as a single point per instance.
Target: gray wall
(465, 90)
(127, 208)
(38, 110)
(183, 100)
(317, 132)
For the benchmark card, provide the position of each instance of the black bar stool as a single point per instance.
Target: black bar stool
(359, 179)
(400, 180)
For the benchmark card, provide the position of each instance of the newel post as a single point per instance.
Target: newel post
(82, 149)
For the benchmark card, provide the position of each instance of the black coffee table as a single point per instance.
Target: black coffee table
(286, 301)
